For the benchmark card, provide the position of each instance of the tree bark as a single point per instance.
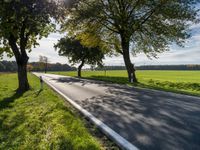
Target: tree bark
(126, 55)
(80, 67)
(22, 60)
(23, 84)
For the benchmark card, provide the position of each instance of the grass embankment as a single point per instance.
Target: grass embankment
(39, 120)
(186, 82)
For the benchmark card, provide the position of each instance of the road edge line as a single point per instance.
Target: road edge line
(118, 139)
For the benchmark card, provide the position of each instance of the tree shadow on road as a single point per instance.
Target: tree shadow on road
(149, 119)
(177, 87)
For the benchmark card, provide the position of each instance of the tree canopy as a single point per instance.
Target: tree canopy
(25, 21)
(77, 53)
(22, 24)
(136, 26)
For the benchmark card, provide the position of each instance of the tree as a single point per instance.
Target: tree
(22, 24)
(29, 67)
(43, 61)
(132, 26)
(77, 53)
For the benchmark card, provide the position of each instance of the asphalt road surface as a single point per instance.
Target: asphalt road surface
(149, 119)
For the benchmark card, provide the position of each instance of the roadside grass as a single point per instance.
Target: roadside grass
(39, 119)
(185, 82)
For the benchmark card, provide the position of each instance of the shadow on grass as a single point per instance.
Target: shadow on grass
(120, 80)
(7, 101)
(180, 87)
(37, 93)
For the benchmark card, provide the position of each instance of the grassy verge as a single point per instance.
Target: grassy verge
(39, 120)
(185, 82)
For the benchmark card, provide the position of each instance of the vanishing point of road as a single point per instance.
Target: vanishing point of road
(149, 119)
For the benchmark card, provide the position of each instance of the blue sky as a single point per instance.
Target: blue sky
(190, 54)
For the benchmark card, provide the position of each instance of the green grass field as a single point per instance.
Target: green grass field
(39, 120)
(187, 82)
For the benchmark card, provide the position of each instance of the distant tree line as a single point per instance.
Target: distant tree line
(8, 66)
(154, 67)
(52, 67)
(169, 67)
(11, 66)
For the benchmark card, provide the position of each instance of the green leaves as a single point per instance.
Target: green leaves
(76, 52)
(27, 21)
(150, 26)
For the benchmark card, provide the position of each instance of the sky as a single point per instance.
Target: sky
(189, 54)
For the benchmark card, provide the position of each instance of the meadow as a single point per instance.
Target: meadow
(40, 119)
(186, 82)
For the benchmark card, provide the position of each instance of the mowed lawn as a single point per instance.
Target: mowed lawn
(39, 120)
(187, 82)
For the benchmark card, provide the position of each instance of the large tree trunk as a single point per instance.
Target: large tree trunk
(126, 55)
(22, 60)
(22, 77)
(80, 67)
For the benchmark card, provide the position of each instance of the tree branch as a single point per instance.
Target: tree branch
(12, 42)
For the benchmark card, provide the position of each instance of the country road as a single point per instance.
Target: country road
(149, 119)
